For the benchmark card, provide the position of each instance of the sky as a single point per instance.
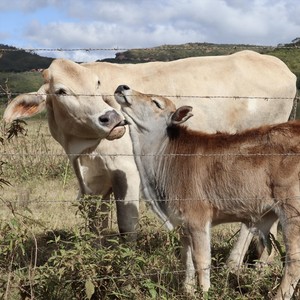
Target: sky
(127, 24)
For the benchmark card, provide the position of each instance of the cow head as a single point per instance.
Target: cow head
(149, 112)
(75, 105)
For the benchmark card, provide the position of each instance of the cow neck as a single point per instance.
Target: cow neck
(74, 149)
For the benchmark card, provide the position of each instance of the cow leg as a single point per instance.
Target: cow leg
(242, 244)
(265, 255)
(101, 214)
(91, 188)
(290, 221)
(126, 191)
(201, 252)
(267, 252)
(96, 209)
(240, 248)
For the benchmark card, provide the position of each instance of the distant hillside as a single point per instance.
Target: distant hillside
(22, 61)
(14, 60)
(173, 52)
(289, 53)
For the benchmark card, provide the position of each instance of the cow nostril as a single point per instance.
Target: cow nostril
(104, 119)
(122, 88)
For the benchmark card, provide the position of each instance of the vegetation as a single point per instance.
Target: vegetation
(12, 84)
(19, 71)
(46, 251)
(17, 60)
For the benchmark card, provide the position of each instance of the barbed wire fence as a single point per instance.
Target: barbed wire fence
(192, 46)
(62, 154)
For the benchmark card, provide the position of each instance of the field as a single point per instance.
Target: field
(23, 82)
(47, 252)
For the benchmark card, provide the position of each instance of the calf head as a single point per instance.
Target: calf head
(150, 113)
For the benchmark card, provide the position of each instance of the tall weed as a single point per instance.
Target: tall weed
(35, 155)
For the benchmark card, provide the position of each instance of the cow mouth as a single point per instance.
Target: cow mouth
(125, 99)
(117, 131)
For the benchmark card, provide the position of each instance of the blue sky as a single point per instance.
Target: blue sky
(143, 23)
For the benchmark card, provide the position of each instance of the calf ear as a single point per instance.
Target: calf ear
(181, 115)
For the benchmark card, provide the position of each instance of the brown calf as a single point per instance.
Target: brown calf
(250, 177)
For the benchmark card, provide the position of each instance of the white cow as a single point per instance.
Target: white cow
(238, 92)
(87, 128)
(250, 179)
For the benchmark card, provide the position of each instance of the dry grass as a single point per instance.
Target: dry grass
(40, 178)
(46, 254)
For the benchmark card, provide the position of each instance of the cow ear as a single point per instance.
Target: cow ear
(24, 106)
(181, 115)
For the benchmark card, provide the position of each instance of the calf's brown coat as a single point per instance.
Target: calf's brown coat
(250, 177)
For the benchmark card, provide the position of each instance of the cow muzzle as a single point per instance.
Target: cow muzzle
(122, 95)
(115, 122)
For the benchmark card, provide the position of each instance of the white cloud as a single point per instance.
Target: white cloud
(148, 23)
(26, 5)
(106, 35)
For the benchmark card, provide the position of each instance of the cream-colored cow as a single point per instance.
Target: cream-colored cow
(238, 91)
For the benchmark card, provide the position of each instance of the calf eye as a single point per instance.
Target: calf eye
(157, 104)
(61, 92)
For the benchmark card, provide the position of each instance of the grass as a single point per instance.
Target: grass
(23, 82)
(47, 253)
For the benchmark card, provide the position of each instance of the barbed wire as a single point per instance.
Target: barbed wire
(69, 49)
(162, 272)
(94, 155)
(159, 95)
(92, 198)
(166, 47)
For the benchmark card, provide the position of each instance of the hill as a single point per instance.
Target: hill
(15, 60)
(173, 52)
(289, 53)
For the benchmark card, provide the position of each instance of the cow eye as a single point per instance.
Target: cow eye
(61, 92)
(157, 104)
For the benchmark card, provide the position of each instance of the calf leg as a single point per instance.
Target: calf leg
(201, 253)
(186, 257)
(290, 220)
